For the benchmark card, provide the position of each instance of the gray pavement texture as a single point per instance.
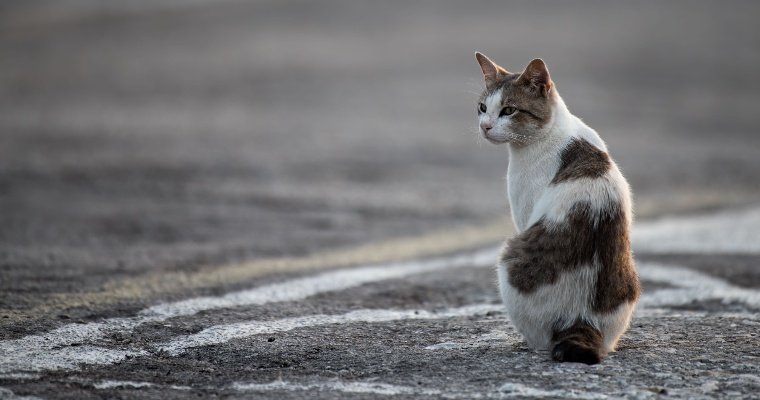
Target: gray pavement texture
(141, 140)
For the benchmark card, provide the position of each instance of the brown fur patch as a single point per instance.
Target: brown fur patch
(581, 159)
(617, 281)
(537, 256)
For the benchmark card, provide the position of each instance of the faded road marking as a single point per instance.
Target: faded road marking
(7, 394)
(493, 338)
(134, 385)
(522, 391)
(396, 250)
(53, 350)
(337, 386)
(70, 345)
(121, 384)
(297, 289)
(224, 333)
(669, 234)
(507, 390)
(21, 357)
(691, 286)
(734, 231)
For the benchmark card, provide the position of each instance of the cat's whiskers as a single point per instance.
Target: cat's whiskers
(478, 137)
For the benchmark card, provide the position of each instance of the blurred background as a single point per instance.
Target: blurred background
(147, 136)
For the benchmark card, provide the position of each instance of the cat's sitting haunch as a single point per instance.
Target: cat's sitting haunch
(568, 277)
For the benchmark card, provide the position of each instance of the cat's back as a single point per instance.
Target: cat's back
(585, 176)
(587, 210)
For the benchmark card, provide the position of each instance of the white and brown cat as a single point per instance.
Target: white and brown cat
(568, 278)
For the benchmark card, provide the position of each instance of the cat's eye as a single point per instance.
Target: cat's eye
(507, 111)
(482, 107)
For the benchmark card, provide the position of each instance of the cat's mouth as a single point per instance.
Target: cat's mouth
(495, 140)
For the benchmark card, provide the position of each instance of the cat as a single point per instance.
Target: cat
(568, 278)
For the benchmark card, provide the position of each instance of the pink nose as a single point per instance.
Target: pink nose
(486, 127)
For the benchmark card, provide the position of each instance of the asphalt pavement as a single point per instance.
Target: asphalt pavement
(289, 199)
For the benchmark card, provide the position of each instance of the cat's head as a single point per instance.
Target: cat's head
(515, 108)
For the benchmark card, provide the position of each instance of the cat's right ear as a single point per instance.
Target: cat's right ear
(536, 75)
(491, 71)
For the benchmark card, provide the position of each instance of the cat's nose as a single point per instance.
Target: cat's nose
(485, 126)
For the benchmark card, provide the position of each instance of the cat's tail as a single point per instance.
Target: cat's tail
(579, 343)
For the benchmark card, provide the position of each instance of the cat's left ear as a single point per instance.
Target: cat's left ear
(537, 76)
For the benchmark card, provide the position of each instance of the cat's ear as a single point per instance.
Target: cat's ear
(491, 71)
(537, 76)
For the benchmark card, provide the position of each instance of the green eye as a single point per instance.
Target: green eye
(482, 107)
(507, 111)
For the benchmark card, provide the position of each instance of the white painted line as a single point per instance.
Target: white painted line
(135, 385)
(65, 347)
(691, 286)
(7, 394)
(45, 352)
(20, 376)
(494, 338)
(53, 350)
(302, 288)
(54, 358)
(723, 232)
(280, 386)
(71, 345)
(121, 384)
(507, 390)
(338, 386)
(522, 391)
(224, 333)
